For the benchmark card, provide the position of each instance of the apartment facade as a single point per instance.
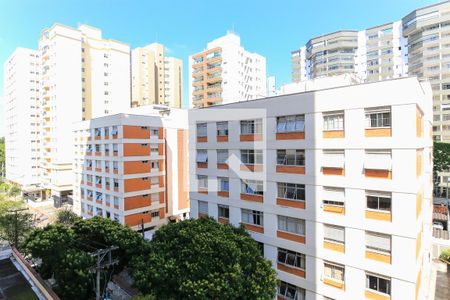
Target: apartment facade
(337, 193)
(82, 76)
(22, 118)
(417, 45)
(225, 72)
(132, 167)
(156, 78)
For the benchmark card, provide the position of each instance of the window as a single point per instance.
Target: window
(292, 225)
(333, 196)
(98, 196)
(203, 207)
(291, 258)
(202, 156)
(333, 271)
(291, 157)
(333, 159)
(378, 159)
(251, 126)
(154, 149)
(253, 187)
(114, 130)
(98, 179)
(333, 121)
(291, 123)
(334, 234)
(222, 128)
(252, 217)
(155, 214)
(106, 149)
(293, 191)
(250, 157)
(201, 129)
(97, 147)
(154, 164)
(154, 181)
(223, 184)
(379, 201)
(378, 284)
(223, 211)
(106, 130)
(116, 183)
(378, 117)
(378, 242)
(115, 148)
(202, 181)
(222, 156)
(116, 201)
(290, 292)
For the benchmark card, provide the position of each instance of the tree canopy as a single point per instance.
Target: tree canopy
(202, 259)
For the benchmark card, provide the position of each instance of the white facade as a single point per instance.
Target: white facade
(240, 74)
(22, 117)
(377, 145)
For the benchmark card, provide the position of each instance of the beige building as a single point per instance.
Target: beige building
(82, 76)
(156, 79)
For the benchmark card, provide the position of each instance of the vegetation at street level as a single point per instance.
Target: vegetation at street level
(445, 255)
(2, 156)
(64, 251)
(202, 259)
(66, 217)
(441, 160)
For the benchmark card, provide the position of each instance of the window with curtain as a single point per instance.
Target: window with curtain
(203, 207)
(290, 292)
(222, 128)
(334, 271)
(291, 157)
(334, 234)
(333, 121)
(378, 242)
(202, 156)
(222, 156)
(291, 123)
(292, 225)
(378, 117)
(252, 217)
(254, 187)
(333, 196)
(223, 184)
(292, 191)
(251, 126)
(291, 258)
(201, 129)
(251, 156)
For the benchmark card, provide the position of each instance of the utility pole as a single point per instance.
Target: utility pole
(101, 264)
(16, 225)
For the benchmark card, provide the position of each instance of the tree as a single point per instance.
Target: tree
(2, 157)
(441, 160)
(15, 224)
(64, 251)
(202, 259)
(66, 217)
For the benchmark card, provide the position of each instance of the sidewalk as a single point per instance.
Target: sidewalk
(440, 282)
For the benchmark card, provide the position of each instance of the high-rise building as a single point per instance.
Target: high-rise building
(415, 45)
(337, 193)
(22, 118)
(271, 86)
(156, 79)
(132, 167)
(82, 76)
(225, 72)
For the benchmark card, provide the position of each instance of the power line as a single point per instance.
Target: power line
(104, 261)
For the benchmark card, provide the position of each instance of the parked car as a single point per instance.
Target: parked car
(438, 225)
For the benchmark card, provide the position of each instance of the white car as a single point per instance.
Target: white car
(438, 225)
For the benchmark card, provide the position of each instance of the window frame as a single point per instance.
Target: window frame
(253, 127)
(333, 269)
(378, 196)
(379, 114)
(256, 215)
(377, 249)
(285, 186)
(256, 183)
(298, 259)
(299, 225)
(378, 277)
(222, 131)
(252, 156)
(328, 120)
(204, 129)
(297, 123)
(332, 240)
(298, 157)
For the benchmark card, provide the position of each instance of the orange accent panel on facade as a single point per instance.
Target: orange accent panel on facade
(291, 203)
(136, 219)
(384, 258)
(291, 236)
(254, 198)
(418, 244)
(300, 135)
(255, 228)
(162, 214)
(203, 191)
(136, 149)
(333, 134)
(161, 197)
(160, 133)
(334, 209)
(202, 165)
(223, 220)
(378, 132)
(161, 149)
(375, 296)
(291, 270)
(136, 167)
(222, 138)
(183, 198)
(223, 194)
(291, 169)
(419, 160)
(418, 283)
(135, 132)
(334, 246)
(136, 184)
(202, 139)
(137, 202)
(222, 166)
(252, 168)
(380, 216)
(419, 122)
(384, 174)
(250, 137)
(333, 171)
(419, 200)
(333, 283)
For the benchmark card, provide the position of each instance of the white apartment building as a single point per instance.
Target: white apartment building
(416, 45)
(338, 193)
(82, 76)
(225, 72)
(156, 78)
(132, 167)
(22, 118)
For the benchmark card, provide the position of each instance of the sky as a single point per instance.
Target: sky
(272, 28)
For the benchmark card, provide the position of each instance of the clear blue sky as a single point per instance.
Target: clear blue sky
(272, 28)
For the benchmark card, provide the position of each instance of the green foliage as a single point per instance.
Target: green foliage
(14, 191)
(65, 252)
(202, 259)
(2, 155)
(66, 217)
(7, 204)
(445, 255)
(441, 156)
(14, 227)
